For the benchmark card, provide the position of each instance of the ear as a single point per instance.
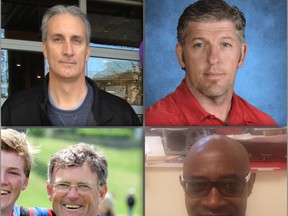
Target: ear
(251, 183)
(244, 49)
(44, 49)
(180, 55)
(88, 53)
(49, 189)
(25, 183)
(103, 191)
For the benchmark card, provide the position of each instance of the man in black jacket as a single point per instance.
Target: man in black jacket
(67, 97)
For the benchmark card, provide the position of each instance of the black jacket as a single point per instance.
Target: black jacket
(29, 108)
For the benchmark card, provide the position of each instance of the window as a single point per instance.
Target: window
(120, 77)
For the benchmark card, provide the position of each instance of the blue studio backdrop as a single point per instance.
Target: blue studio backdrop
(262, 81)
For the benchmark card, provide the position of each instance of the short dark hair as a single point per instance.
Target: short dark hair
(211, 10)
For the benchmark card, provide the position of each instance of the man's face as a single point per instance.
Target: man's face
(74, 201)
(213, 167)
(66, 46)
(211, 56)
(13, 179)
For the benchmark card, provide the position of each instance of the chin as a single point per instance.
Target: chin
(214, 92)
(69, 75)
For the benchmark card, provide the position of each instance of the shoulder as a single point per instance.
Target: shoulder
(171, 103)
(164, 112)
(17, 109)
(114, 102)
(23, 98)
(34, 211)
(253, 114)
(117, 110)
(42, 211)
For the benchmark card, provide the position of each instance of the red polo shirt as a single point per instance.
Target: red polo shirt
(181, 108)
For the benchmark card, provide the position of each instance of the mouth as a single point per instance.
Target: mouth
(4, 192)
(215, 214)
(214, 74)
(69, 206)
(67, 62)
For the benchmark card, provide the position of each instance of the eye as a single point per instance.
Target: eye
(225, 44)
(198, 45)
(231, 186)
(198, 186)
(62, 185)
(14, 173)
(83, 186)
(57, 39)
(77, 40)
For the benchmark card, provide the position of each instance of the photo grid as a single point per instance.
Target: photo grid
(143, 108)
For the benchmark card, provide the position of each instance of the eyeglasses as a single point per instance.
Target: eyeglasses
(198, 188)
(65, 187)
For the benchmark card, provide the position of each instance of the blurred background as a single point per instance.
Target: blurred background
(123, 148)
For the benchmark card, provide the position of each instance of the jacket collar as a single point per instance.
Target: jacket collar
(100, 108)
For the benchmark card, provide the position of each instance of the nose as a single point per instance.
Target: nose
(68, 48)
(72, 192)
(214, 200)
(213, 55)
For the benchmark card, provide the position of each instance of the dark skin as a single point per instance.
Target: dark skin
(214, 158)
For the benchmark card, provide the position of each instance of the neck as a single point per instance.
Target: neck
(220, 109)
(219, 106)
(67, 94)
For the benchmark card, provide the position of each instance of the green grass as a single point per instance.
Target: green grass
(124, 167)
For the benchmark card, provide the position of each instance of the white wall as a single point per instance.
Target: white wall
(269, 196)
(165, 197)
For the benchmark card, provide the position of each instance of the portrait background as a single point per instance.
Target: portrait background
(261, 81)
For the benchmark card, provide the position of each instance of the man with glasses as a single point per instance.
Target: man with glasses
(77, 177)
(216, 177)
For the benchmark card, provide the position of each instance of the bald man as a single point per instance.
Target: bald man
(216, 177)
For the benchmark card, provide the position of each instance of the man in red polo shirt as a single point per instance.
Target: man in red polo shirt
(211, 47)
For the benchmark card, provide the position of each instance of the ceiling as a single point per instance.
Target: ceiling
(113, 22)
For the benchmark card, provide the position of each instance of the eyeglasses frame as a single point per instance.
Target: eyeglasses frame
(184, 182)
(75, 186)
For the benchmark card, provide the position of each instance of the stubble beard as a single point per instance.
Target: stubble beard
(212, 90)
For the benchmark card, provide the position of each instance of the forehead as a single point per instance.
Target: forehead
(10, 159)
(75, 174)
(66, 24)
(211, 29)
(214, 164)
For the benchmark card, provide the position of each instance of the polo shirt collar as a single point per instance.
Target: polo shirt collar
(190, 107)
(195, 113)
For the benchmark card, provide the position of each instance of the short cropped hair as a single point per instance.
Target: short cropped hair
(211, 10)
(76, 156)
(61, 9)
(15, 141)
